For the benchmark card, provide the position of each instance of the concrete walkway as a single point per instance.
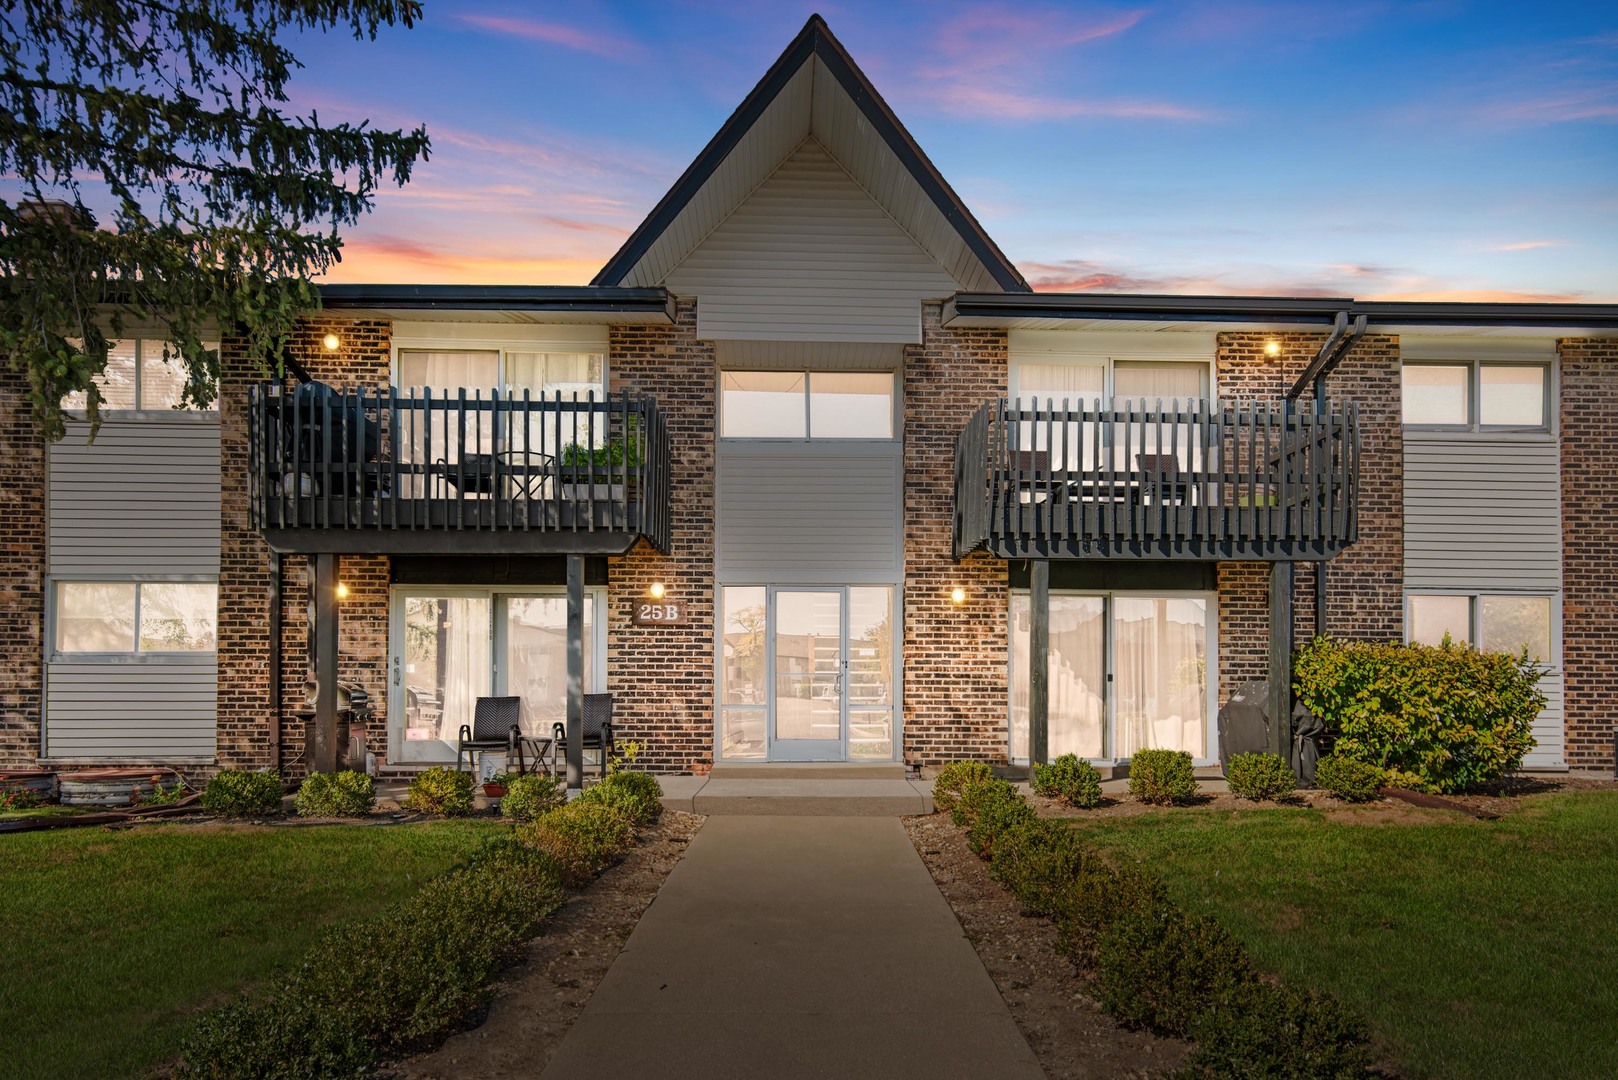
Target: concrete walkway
(796, 947)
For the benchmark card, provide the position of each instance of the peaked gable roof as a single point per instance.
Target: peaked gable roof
(814, 89)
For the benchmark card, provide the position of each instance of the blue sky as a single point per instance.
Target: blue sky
(1415, 149)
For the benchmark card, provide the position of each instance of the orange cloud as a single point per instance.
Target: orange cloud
(555, 34)
(400, 259)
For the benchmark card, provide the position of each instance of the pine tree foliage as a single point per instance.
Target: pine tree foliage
(218, 204)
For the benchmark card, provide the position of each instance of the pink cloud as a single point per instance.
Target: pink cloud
(1530, 245)
(554, 34)
(1009, 105)
(1599, 102)
(394, 258)
(981, 40)
(1483, 296)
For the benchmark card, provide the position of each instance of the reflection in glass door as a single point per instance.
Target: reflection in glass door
(809, 675)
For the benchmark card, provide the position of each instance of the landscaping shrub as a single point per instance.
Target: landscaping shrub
(953, 779)
(1260, 776)
(1349, 780)
(582, 838)
(1438, 718)
(1162, 777)
(531, 795)
(339, 794)
(392, 984)
(238, 793)
(1075, 782)
(973, 796)
(1037, 860)
(999, 809)
(1162, 968)
(440, 791)
(1098, 897)
(1269, 1032)
(637, 794)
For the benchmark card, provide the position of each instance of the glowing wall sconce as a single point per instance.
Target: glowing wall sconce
(656, 590)
(957, 596)
(332, 342)
(1272, 348)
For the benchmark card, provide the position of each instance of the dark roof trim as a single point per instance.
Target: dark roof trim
(1310, 310)
(654, 301)
(1283, 309)
(815, 39)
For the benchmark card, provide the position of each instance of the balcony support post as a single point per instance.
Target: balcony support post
(1322, 408)
(1281, 659)
(1039, 653)
(323, 582)
(575, 674)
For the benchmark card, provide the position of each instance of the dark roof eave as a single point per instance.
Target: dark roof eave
(557, 298)
(1274, 309)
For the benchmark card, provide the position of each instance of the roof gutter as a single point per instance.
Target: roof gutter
(1305, 311)
(1331, 353)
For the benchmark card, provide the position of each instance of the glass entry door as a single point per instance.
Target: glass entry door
(811, 672)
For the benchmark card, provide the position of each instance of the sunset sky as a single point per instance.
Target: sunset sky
(1419, 149)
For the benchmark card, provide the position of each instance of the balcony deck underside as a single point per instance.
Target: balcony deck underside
(1171, 532)
(442, 526)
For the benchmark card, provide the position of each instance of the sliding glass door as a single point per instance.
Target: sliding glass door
(1128, 672)
(453, 646)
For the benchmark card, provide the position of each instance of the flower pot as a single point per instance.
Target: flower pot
(494, 791)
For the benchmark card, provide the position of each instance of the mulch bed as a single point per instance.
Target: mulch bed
(536, 1002)
(1068, 1032)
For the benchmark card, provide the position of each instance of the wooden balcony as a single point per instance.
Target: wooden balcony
(379, 472)
(1128, 479)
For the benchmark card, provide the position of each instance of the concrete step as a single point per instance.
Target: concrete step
(809, 770)
(796, 797)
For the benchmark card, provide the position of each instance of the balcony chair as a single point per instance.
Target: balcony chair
(597, 731)
(494, 727)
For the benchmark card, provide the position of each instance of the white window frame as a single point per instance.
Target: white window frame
(1474, 617)
(1210, 598)
(895, 411)
(178, 411)
(1474, 395)
(1109, 363)
(135, 655)
(454, 337)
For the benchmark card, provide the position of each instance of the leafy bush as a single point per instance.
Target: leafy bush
(1349, 780)
(1161, 968)
(1098, 897)
(954, 779)
(1441, 717)
(440, 791)
(582, 838)
(420, 973)
(531, 795)
(1162, 777)
(637, 794)
(238, 793)
(996, 808)
(1269, 1032)
(1037, 860)
(1075, 782)
(1260, 776)
(339, 794)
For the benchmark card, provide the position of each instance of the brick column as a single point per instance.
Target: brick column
(1365, 584)
(956, 657)
(22, 574)
(663, 676)
(1589, 406)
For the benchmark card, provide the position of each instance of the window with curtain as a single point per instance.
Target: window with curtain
(1460, 394)
(806, 404)
(136, 617)
(145, 375)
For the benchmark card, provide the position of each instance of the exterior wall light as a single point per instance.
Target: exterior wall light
(342, 591)
(332, 342)
(1272, 348)
(656, 590)
(957, 596)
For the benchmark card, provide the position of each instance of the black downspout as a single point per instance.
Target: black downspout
(1320, 567)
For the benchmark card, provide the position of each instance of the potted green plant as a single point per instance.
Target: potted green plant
(598, 472)
(495, 786)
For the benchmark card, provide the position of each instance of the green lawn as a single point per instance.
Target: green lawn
(109, 941)
(1475, 949)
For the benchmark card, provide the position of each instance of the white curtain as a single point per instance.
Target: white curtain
(447, 668)
(1055, 386)
(1160, 676)
(546, 375)
(1077, 709)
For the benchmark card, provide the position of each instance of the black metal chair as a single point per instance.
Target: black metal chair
(597, 731)
(494, 726)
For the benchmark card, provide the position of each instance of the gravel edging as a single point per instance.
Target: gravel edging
(1068, 1032)
(536, 1001)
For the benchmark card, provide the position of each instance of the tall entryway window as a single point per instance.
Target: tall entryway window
(453, 646)
(1128, 672)
(806, 673)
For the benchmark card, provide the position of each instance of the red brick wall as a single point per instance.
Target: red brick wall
(1365, 584)
(1589, 406)
(245, 570)
(662, 676)
(956, 658)
(22, 573)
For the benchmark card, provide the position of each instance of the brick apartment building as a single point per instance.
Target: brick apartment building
(824, 469)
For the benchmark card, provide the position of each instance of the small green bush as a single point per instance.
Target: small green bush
(1162, 777)
(999, 809)
(1098, 897)
(1269, 1032)
(339, 794)
(582, 838)
(1260, 776)
(1075, 782)
(637, 794)
(440, 791)
(954, 779)
(390, 985)
(1349, 780)
(1162, 968)
(1443, 718)
(1037, 860)
(238, 793)
(531, 795)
